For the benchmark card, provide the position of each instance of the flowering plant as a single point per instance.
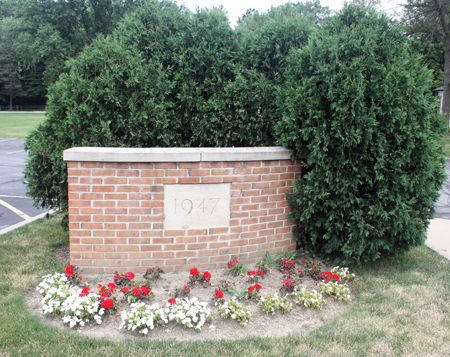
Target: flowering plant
(263, 266)
(293, 273)
(236, 269)
(218, 297)
(340, 291)
(224, 284)
(253, 291)
(287, 285)
(55, 289)
(308, 298)
(71, 273)
(235, 310)
(143, 318)
(286, 264)
(136, 293)
(188, 313)
(343, 273)
(78, 310)
(123, 279)
(153, 273)
(329, 276)
(311, 269)
(185, 291)
(199, 278)
(271, 303)
(253, 276)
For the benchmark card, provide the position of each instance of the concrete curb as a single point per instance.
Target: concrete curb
(438, 236)
(23, 223)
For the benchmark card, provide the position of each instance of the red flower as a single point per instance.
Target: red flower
(304, 261)
(234, 261)
(300, 271)
(187, 289)
(260, 272)
(194, 271)
(172, 301)
(104, 295)
(69, 270)
(81, 278)
(85, 290)
(326, 280)
(251, 272)
(145, 290)
(125, 290)
(111, 291)
(107, 303)
(207, 275)
(219, 294)
(117, 278)
(328, 273)
(336, 277)
(251, 288)
(102, 290)
(314, 266)
(129, 275)
(111, 285)
(136, 291)
(257, 287)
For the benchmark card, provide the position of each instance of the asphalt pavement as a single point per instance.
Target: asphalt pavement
(15, 207)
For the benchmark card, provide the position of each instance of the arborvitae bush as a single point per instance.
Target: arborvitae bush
(359, 109)
(166, 77)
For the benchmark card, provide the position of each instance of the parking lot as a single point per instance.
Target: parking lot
(15, 207)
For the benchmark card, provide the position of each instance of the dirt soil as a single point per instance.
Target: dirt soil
(261, 324)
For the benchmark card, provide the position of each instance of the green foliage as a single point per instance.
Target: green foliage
(360, 110)
(165, 78)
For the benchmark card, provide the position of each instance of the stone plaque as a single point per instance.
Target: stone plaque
(197, 206)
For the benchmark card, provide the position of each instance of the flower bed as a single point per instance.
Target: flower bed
(197, 300)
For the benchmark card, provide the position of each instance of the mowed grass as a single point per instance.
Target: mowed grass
(19, 125)
(401, 309)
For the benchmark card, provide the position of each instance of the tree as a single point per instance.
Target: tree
(432, 17)
(359, 108)
(9, 74)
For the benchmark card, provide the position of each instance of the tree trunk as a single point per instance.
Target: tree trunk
(446, 99)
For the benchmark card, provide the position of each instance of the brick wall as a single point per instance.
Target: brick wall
(116, 213)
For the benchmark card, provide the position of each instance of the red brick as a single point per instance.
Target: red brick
(157, 226)
(162, 240)
(267, 219)
(266, 232)
(140, 181)
(104, 233)
(233, 178)
(117, 255)
(104, 218)
(274, 198)
(140, 255)
(74, 210)
(153, 188)
(282, 230)
(185, 240)
(240, 214)
(79, 188)
(74, 196)
(140, 196)
(174, 247)
(72, 164)
(174, 232)
(279, 169)
(91, 226)
(185, 254)
(229, 250)
(248, 248)
(218, 244)
(140, 226)
(115, 180)
(128, 233)
(92, 255)
(75, 255)
(116, 241)
(78, 172)
(116, 196)
(81, 247)
(285, 190)
(252, 178)
(152, 173)
(241, 186)
(211, 165)
(115, 211)
(163, 254)
(240, 200)
(128, 248)
(249, 235)
(258, 240)
(189, 165)
(128, 173)
(238, 242)
(182, 180)
(74, 225)
(197, 260)
(139, 211)
(150, 247)
(117, 165)
(257, 227)
(271, 177)
(234, 164)
(196, 246)
(273, 224)
(294, 169)
(208, 238)
(249, 207)
(200, 172)
(261, 170)
(128, 188)
(128, 204)
(242, 172)
(104, 204)
(246, 221)
(142, 165)
(251, 193)
(91, 240)
(196, 232)
(215, 179)
(103, 172)
(89, 210)
(218, 230)
(222, 172)
(165, 180)
(75, 233)
(157, 233)
(288, 176)
(127, 218)
(103, 188)
(283, 203)
(165, 165)
(73, 180)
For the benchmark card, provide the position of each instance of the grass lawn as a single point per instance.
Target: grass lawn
(402, 309)
(18, 125)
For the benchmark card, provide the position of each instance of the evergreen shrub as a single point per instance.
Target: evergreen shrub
(359, 109)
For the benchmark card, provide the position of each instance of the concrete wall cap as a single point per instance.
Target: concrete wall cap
(103, 154)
